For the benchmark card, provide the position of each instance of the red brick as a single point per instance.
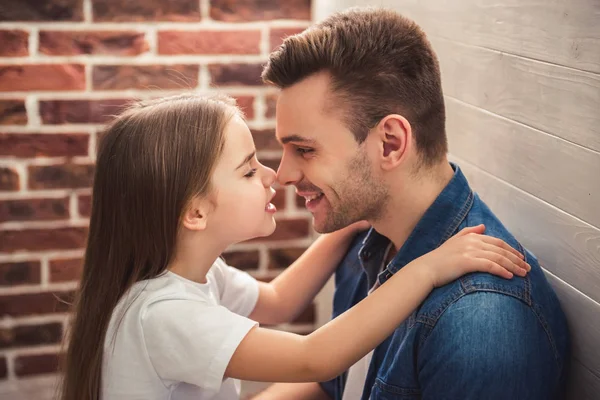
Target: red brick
(64, 176)
(36, 364)
(9, 179)
(265, 139)
(257, 10)
(20, 273)
(30, 10)
(277, 35)
(273, 164)
(209, 42)
(246, 104)
(81, 111)
(47, 145)
(300, 202)
(42, 239)
(18, 305)
(116, 43)
(288, 229)
(85, 205)
(236, 74)
(119, 77)
(279, 199)
(308, 316)
(146, 10)
(30, 335)
(283, 258)
(13, 112)
(34, 209)
(271, 105)
(53, 77)
(3, 368)
(244, 260)
(65, 270)
(14, 43)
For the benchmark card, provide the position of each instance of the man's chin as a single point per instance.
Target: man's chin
(324, 225)
(319, 225)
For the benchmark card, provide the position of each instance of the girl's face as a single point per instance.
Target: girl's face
(243, 189)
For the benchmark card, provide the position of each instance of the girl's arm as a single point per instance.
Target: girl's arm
(289, 294)
(274, 356)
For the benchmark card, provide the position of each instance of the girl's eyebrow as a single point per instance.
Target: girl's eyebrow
(246, 160)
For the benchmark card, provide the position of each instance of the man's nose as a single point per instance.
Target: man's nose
(288, 172)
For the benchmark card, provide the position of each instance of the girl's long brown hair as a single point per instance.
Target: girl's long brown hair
(152, 160)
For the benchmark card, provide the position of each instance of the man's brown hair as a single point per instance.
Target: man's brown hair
(380, 63)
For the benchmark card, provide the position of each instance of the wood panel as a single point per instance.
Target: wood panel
(584, 324)
(564, 32)
(560, 173)
(558, 100)
(583, 384)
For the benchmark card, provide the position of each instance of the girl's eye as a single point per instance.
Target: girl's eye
(303, 150)
(251, 173)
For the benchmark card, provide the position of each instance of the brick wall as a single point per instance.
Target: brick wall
(65, 67)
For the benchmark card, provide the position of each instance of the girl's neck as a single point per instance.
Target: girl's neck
(195, 253)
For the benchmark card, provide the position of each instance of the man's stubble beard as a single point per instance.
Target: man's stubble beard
(360, 196)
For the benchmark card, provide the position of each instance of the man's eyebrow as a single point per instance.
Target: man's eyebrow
(246, 160)
(296, 138)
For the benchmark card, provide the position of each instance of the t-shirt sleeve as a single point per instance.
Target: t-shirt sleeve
(239, 290)
(192, 341)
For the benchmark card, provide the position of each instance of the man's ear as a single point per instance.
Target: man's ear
(196, 215)
(394, 136)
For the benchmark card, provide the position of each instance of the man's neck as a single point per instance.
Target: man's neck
(409, 202)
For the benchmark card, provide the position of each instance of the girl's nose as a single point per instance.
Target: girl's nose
(268, 176)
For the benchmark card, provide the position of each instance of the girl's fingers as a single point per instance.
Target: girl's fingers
(508, 254)
(500, 243)
(502, 261)
(479, 229)
(495, 269)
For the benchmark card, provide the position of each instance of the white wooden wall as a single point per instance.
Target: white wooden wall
(522, 86)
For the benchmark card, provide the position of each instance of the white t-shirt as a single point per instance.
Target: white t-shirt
(177, 336)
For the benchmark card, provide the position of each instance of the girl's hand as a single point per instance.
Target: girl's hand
(359, 226)
(470, 251)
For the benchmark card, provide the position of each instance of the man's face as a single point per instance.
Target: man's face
(323, 160)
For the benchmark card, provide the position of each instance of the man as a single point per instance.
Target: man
(361, 120)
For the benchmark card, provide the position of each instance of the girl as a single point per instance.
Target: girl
(160, 316)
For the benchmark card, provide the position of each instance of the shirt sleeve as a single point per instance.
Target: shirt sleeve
(329, 387)
(191, 341)
(488, 346)
(239, 290)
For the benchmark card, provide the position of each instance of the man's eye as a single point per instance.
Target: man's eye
(303, 150)
(251, 173)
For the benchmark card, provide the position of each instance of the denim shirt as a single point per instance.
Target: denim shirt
(478, 337)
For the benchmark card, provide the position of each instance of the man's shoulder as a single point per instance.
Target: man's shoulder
(487, 285)
(505, 293)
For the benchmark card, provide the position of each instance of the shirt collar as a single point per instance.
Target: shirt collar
(438, 224)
